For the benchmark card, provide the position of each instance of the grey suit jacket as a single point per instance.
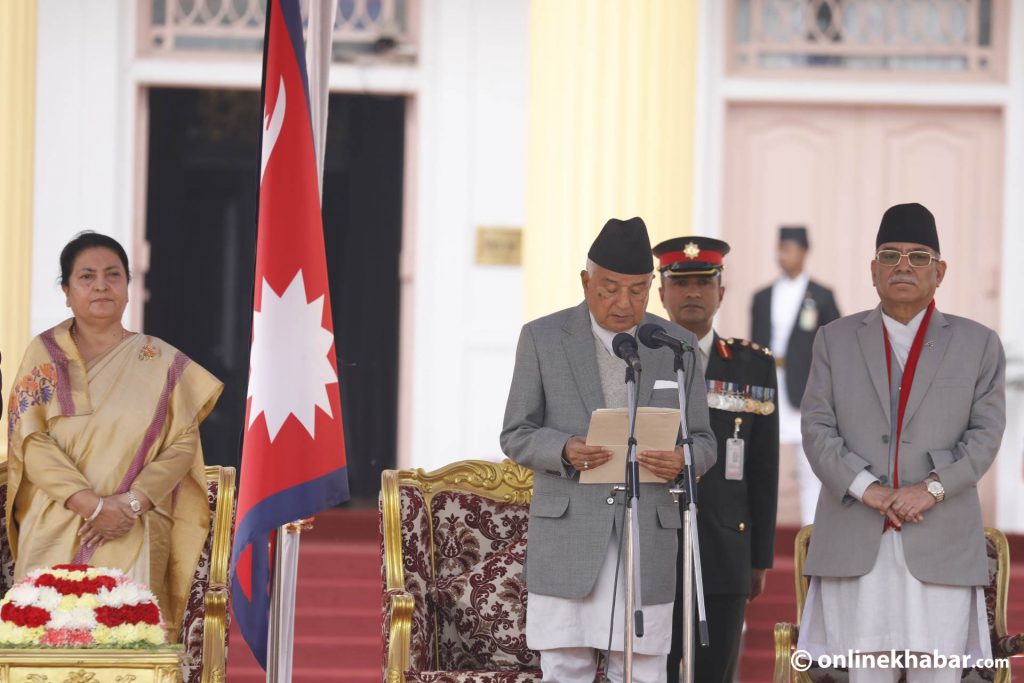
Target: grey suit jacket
(953, 424)
(555, 387)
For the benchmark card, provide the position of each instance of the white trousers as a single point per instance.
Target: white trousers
(579, 665)
(946, 675)
(789, 433)
(810, 486)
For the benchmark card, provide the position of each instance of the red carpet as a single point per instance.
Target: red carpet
(337, 614)
(337, 629)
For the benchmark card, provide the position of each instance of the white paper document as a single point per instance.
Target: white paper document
(656, 430)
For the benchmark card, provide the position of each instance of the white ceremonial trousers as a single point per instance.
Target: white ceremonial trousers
(553, 622)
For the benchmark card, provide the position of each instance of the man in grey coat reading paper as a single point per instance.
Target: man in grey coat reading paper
(565, 369)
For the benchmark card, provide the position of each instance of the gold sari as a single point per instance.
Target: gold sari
(128, 419)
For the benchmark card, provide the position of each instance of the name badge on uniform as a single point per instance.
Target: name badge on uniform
(734, 454)
(809, 315)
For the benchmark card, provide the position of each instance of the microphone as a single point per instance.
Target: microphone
(624, 346)
(654, 337)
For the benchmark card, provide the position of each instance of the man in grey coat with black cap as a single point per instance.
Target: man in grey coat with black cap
(565, 369)
(903, 414)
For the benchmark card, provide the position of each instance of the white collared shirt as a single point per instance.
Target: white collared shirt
(787, 298)
(606, 336)
(704, 344)
(901, 337)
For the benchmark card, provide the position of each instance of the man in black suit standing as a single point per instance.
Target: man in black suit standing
(785, 317)
(737, 497)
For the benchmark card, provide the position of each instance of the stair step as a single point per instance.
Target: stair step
(757, 666)
(331, 619)
(344, 652)
(340, 592)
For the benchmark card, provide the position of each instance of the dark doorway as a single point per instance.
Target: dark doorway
(200, 224)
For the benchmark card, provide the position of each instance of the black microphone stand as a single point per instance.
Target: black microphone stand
(634, 618)
(692, 575)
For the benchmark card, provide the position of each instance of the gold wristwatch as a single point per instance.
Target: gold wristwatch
(936, 489)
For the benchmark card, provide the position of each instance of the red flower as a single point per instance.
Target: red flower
(24, 616)
(71, 587)
(73, 567)
(146, 613)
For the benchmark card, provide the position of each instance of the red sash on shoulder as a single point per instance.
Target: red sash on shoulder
(905, 387)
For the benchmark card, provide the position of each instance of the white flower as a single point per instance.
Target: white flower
(120, 595)
(23, 594)
(83, 618)
(59, 620)
(48, 598)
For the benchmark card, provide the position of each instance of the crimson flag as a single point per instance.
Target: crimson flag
(293, 452)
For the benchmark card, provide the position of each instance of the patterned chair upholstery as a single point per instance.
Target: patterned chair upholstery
(996, 595)
(204, 630)
(453, 547)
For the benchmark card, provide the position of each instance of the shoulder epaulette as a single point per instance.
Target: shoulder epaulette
(726, 352)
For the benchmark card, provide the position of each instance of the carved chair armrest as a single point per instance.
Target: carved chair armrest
(786, 636)
(398, 608)
(215, 626)
(1008, 646)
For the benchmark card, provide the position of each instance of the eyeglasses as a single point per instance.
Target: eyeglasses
(918, 259)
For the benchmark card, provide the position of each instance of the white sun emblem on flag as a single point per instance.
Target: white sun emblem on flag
(289, 369)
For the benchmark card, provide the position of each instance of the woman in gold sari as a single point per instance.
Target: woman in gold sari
(105, 464)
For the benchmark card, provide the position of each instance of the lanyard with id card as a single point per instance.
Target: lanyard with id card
(734, 454)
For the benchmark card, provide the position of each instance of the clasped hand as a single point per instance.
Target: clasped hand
(115, 520)
(905, 504)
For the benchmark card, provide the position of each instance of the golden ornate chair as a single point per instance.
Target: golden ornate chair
(996, 595)
(454, 603)
(204, 631)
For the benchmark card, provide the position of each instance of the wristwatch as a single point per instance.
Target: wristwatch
(935, 488)
(134, 504)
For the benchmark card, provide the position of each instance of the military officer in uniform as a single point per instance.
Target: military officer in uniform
(737, 497)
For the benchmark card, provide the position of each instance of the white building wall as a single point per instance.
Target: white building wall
(471, 172)
(81, 138)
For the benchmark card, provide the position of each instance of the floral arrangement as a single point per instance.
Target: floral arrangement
(77, 605)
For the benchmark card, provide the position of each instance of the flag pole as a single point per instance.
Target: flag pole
(281, 634)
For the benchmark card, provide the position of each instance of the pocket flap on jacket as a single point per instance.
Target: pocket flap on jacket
(668, 517)
(549, 506)
(941, 458)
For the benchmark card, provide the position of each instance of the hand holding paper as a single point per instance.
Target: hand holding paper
(666, 465)
(656, 430)
(583, 457)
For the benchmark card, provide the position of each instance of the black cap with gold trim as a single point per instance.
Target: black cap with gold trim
(694, 255)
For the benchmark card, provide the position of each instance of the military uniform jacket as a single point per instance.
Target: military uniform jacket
(797, 353)
(555, 387)
(736, 518)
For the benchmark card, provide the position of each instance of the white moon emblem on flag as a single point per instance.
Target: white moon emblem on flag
(289, 369)
(272, 128)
